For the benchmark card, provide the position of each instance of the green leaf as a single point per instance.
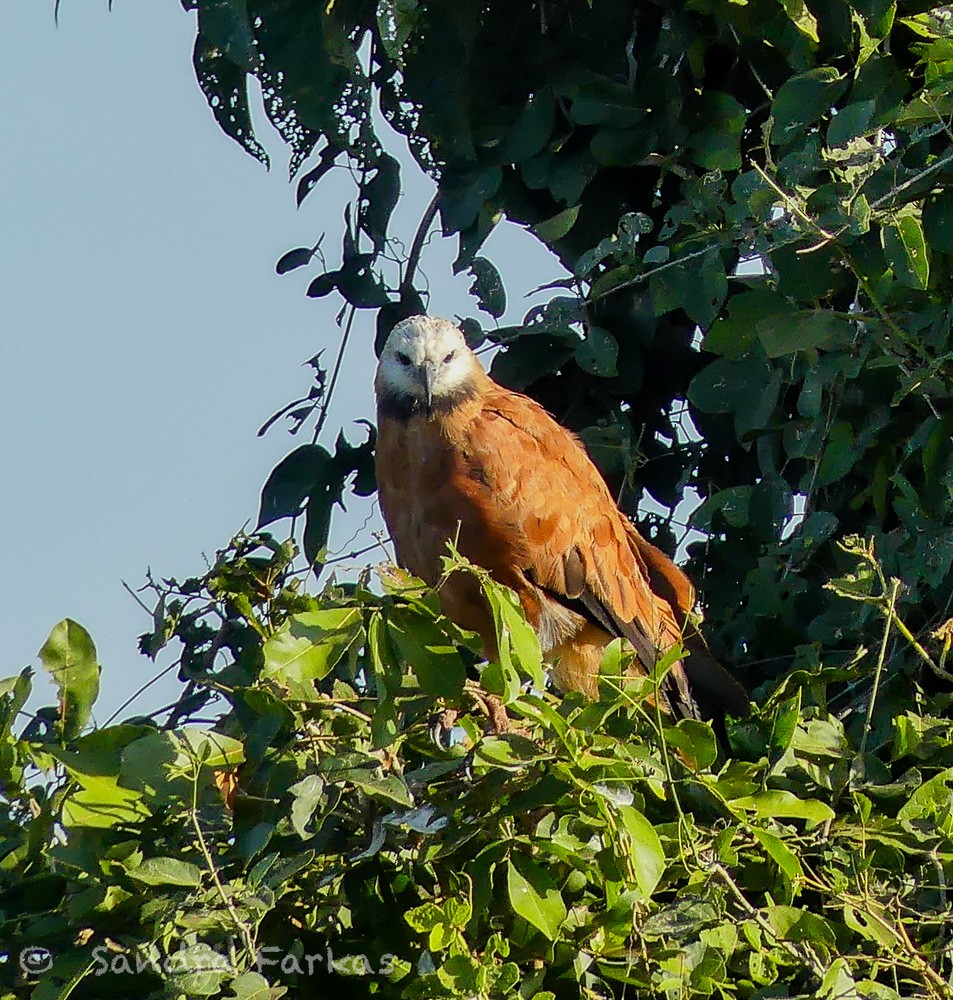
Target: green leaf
(358, 282)
(803, 99)
(323, 284)
(359, 460)
(621, 147)
(645, 849)
(325, 493)
(14, 692)
(879, 931)
(487, 287)
(715, 143)
(558, 226)
(696, 740)
(801, 17)
(731, 336)
(702, 286)
(425, 917)
(933, 800)
(69, 656)
(226, 25)
(631, 228)
(725, 385)
(253, 986)
(838, 982)
(396, 20)
(775, 803)
(167, 871)
(839, 455)
(780, 853)
(101, 802)
(906, 251)
(307, 647)
(600, 101)
(293, 259)
(791, 924)
(531, 131)
(786, 718)
(463, 194)
(534, 896)
(380, 196)
(849, 122)
(291, 482)
(427, 650)
(616, 276)
(225, 85)
(806, 329)
(517, 642)
(860, 582)
(509, 750)
(162, 764)
(938, 221)
(598, 353)
(308, 796)
(210, 749)
(733, 504)
(387, 786)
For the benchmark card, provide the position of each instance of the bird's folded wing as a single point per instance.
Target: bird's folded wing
(577, 546)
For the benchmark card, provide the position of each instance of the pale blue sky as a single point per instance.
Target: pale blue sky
(144, 335)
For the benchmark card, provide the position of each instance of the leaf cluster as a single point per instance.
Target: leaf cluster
(353, 824)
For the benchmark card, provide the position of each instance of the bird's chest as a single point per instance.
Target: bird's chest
(436, 490)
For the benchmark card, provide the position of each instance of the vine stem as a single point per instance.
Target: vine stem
(359, 552)
(801, 954)
(878, 672)
(792, 204)
(416, 248)
(335, 372)
(145, 687)
(242, 926)
(918, 648)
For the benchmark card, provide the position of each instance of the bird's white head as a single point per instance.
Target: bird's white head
(425, 368)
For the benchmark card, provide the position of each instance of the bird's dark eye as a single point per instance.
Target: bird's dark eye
(449, 357)
(403, 359)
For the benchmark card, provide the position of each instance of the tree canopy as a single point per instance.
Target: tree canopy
(753, 200)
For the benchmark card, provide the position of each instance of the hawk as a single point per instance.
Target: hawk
(461, 458)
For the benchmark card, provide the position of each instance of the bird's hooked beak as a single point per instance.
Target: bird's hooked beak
(428, 374)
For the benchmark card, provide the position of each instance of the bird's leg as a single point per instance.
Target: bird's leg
(497, 721)
(441, 727)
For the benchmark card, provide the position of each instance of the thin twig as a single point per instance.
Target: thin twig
(242, 926)
(801, 954)
(791, 203)
(918, 649)
(358, 552)
(326, 402)
(919, 176)
(142, 604)
(878, 672)
(416, 248)
(145, 687)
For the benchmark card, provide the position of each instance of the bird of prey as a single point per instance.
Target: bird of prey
(461, 458)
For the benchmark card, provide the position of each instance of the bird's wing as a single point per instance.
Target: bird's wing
(577, 547)
(713, 688)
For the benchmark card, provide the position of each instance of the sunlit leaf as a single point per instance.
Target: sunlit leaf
(534, 897)
(69, 657)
